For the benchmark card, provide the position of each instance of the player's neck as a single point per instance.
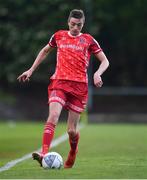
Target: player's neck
(69, 33)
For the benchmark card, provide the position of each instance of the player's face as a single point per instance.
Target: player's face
(75, 26)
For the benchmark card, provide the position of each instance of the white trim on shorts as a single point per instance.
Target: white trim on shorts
(75, 108)
(68, 104)
(57, 99)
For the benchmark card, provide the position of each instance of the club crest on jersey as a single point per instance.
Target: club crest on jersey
(82, 40)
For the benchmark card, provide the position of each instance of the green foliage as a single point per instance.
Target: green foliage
(122, 31)
(119, 26)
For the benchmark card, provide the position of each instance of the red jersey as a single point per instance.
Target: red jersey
(73, 54)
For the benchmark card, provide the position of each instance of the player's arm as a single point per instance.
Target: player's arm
(40, 57)
(104, 63)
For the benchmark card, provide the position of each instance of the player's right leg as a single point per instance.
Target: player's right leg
(55, 109)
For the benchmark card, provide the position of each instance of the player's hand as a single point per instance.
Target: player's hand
(25, 76)
(97, 80)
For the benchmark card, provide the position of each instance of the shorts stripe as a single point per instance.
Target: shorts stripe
(75, 108)
(57, 99)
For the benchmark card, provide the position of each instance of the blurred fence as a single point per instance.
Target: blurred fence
(119, 104)
(139, 91)
(107, 104)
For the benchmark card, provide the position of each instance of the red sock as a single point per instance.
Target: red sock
(48, 135)
(73, 141)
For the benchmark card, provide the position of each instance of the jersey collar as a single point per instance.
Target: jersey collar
(72, 35)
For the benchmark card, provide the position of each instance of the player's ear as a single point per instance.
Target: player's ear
(68, 23)
(83, 22)
(68, 20)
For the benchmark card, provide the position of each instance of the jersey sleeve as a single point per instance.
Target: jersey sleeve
(52, 41)
(94, 46)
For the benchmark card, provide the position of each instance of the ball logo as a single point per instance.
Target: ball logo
(52, 160)
(49, 160)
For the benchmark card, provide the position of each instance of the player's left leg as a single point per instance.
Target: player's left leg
(72, 123)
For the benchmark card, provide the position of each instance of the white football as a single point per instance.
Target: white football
(52, 160)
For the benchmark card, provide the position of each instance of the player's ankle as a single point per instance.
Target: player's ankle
(73, 151)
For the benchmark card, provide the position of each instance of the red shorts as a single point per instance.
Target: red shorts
(70, 94)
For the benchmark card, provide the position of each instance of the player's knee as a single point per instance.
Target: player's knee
(53, 117)
(71, 132)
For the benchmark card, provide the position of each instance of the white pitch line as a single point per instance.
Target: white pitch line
(54, 143)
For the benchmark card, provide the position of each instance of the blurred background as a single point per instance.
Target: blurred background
(119, 27)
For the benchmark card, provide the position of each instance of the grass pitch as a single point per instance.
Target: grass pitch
(116, 151)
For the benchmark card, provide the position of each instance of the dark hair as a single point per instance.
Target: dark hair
(77, 13)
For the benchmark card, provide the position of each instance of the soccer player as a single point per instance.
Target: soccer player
(69, 83)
